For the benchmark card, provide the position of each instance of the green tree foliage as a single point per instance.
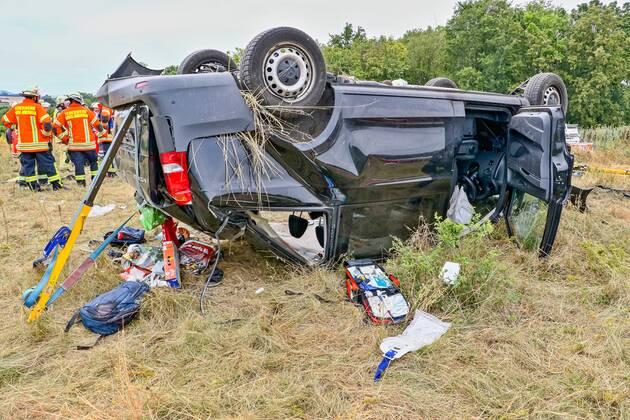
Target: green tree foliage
(236, 55)
(427, 54)
(3, 108)
(486, 35)
(545, 31)
(470, 78)
(170, 70)
(352, 53)
(88, 98)
(495, 45)
(598, 64)
(347, 37)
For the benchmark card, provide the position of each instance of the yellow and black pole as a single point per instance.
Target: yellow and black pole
(79, 219)
(613, 171)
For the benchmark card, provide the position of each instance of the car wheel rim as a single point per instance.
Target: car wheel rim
(552, 97)
(210, 67)
(287, 70)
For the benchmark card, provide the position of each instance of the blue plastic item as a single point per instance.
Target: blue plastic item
(58, 240)
(111, 311)
(31, 295)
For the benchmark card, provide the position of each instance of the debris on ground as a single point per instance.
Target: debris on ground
(59, 239)
(78, 272)
(170, 257)
(127, 236)
(170, 253)
(423, 330)
(109, 312)
(142, 256)
(195, 256)
(98, 211)
(450, 273)
(368, 285)
(460, 210)
(150, 218)
(579, 195)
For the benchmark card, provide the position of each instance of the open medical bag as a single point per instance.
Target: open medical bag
(368, 285)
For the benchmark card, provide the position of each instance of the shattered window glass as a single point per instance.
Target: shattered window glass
(527, 219)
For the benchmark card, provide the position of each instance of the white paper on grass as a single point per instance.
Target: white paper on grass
(98, 211)
(386, 306)
(460, 210)
(425, 329)
(450, 273)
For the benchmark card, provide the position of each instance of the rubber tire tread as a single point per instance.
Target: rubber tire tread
(442, 82)
(255, 52)
(194, 59)
(538, 84)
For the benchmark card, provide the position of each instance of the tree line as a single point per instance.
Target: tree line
(494, 45)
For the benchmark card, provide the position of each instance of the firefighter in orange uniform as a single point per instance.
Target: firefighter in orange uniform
(80, 124)
(106, 116)
(34, 127)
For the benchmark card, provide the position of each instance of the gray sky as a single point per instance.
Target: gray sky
(68, 45)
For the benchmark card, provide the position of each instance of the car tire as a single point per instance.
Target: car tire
(207, 61)
(547, 89)
(285, 66)
(442, 82)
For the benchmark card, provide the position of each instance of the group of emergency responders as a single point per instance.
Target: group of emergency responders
(30, 132)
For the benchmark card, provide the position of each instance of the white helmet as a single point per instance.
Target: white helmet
(31, 93)
(76, 97)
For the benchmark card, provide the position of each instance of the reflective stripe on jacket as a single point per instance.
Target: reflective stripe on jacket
(29, 118)
(79, 121)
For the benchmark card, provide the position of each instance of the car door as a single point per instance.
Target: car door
(538, 170)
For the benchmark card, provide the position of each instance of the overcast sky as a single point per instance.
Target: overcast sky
(68, 45)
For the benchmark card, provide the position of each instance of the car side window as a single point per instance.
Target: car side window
(527, 219)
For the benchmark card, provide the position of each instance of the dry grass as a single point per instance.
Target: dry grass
(256, 167)
(540, 338)
(612, 150)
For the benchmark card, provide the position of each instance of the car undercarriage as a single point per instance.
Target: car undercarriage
(344, 176)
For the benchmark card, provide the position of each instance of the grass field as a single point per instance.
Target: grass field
(529, 338)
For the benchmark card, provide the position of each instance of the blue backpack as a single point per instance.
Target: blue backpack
(109, 312)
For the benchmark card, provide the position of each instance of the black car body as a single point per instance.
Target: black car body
(380, 159)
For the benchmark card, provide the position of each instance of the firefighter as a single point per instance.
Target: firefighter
(43, 179)
(11, 136)
(95, 108)
(63, 155)
(78, 122)
(106, 116)
(34, 126)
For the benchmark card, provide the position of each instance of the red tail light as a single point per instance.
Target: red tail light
(175, 168)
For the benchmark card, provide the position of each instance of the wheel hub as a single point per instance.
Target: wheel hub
(287, 72)
(552, 97)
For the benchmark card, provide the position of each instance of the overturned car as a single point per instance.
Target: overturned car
(356, 163)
